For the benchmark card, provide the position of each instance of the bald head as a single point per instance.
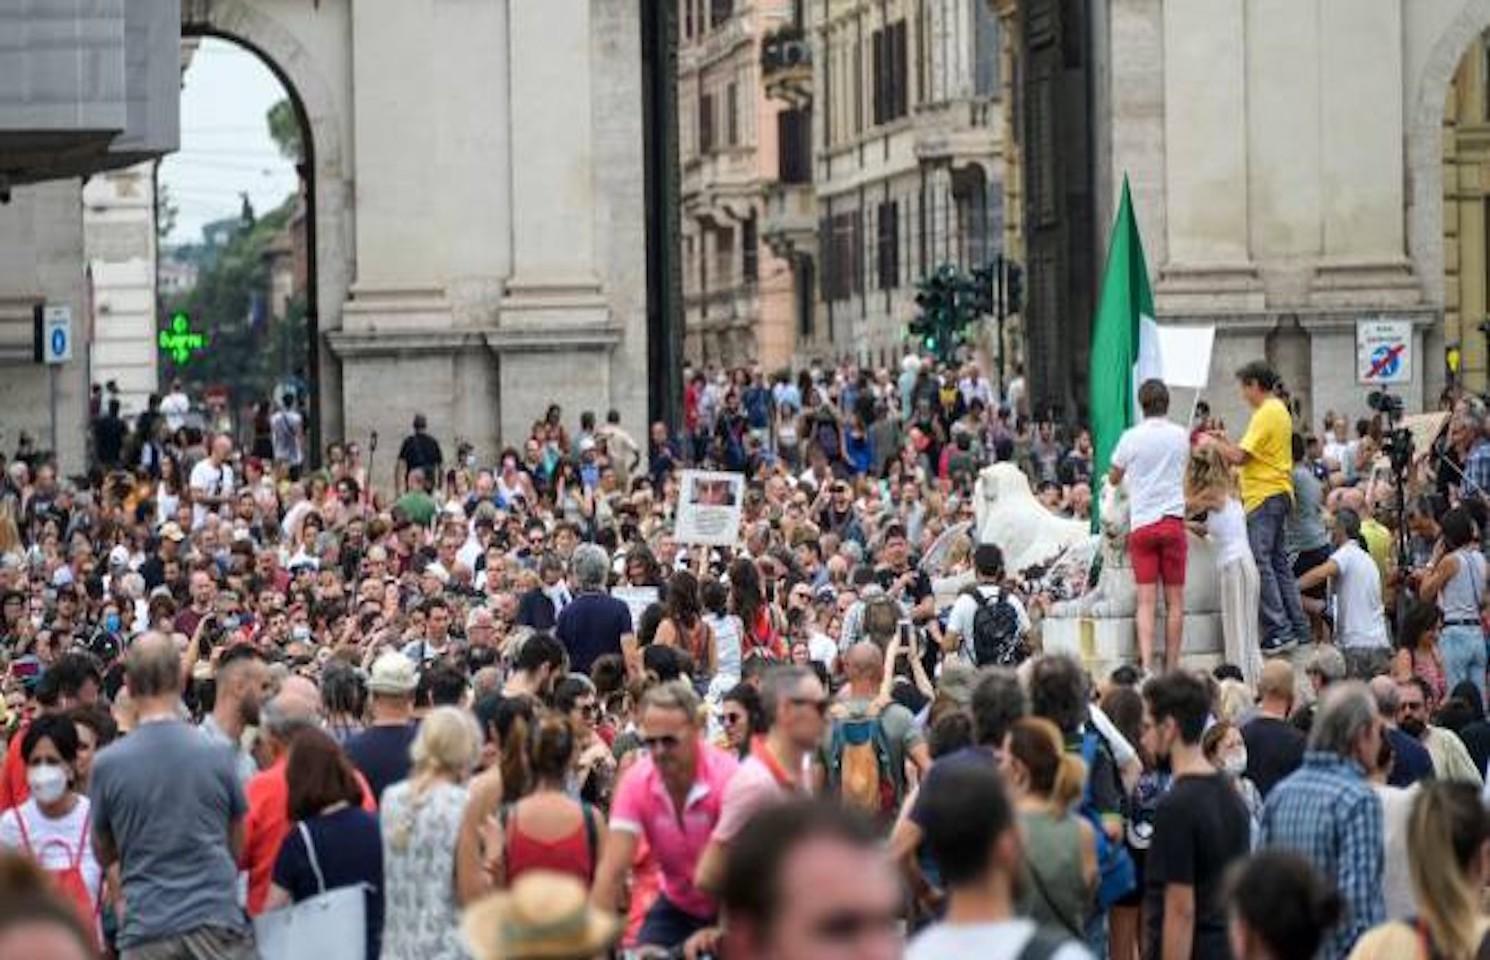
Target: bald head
(152, 668)
(1384, 689)
(864, 663)
(299, 691)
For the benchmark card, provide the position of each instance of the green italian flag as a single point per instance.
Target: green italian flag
(1125, 341)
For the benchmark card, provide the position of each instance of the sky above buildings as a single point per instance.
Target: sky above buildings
(225, 144)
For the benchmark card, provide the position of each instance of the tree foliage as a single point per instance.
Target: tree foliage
(246, 357)
(284, 128)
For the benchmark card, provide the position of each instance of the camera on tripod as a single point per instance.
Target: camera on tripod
(1386, 403)
(1397, 441)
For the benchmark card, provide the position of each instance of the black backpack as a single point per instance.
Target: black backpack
(996, 639)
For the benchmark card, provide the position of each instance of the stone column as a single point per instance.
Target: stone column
(1205, 109)
(553, 206)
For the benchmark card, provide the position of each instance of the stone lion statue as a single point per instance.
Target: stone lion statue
(1009, 515)
(1116, 592)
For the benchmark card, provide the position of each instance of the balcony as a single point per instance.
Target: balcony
(786, 65)
(960, 132)
(789, 222)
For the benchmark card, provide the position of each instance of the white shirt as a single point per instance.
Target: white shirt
(1002, 940)
(965, 608)
(1227, 529)
(212, 480)
(174, 408)
(54, 843)
(1359, 619)
(1152, 456)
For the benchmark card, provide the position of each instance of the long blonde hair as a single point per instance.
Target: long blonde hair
(1446, 835)
(1207, 474)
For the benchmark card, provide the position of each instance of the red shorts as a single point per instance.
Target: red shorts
(1157, 551)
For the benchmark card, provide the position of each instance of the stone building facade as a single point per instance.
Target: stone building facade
(120, 246)
(1293, 173)
(735, 145)
(908, 157)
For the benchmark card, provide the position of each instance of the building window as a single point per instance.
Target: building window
(706, 123)
(891, 91)
(724, 257)
(720, 11)
(887, 244)
(732, 114)
(843, 245)
(749, 251)
(793, 140)
(806, 297)
(986, 53)
(858, 86)
(688, 19)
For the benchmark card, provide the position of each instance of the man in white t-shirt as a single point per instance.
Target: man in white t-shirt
(287, 434)
(1151, 457)
(211, 481)
(1360, 619)
(988, 564)
(175, 407)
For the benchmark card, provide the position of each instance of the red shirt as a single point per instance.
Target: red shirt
(13, 787)
(267, 825)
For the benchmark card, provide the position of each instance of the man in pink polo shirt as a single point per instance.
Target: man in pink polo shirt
(672, 797)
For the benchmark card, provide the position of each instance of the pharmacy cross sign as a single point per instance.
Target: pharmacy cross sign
(180, 341)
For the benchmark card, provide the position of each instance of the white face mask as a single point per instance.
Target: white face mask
(1235, 761)
(48, 782)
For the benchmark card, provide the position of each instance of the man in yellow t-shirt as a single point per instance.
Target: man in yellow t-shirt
(1264, 457)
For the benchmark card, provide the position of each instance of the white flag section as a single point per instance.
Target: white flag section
(1180, 356)
(1185, 355)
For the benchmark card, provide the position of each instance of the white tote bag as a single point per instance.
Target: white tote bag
(332, 925)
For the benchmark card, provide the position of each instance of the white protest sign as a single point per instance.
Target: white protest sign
(709, 508)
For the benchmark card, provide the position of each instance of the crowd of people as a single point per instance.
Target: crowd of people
(497, 707)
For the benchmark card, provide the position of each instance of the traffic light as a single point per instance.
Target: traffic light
(1015, 286)
(983, 280)
(946, 302)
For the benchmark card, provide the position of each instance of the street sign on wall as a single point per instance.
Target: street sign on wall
(53, 333)
(1383, 352)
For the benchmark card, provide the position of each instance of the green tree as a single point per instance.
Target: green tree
(166, 210)
(284, 128)
(242, 355)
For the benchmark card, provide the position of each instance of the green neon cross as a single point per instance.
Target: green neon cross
(181, 342)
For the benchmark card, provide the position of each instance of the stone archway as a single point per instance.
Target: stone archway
(330, 220)
(1424, 120)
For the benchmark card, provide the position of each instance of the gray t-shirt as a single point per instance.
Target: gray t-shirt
(901, 733)
(168, 797)
(1304, 528)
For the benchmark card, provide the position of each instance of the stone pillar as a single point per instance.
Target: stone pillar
(553, 197)
(1205, 164)
(1205, 109)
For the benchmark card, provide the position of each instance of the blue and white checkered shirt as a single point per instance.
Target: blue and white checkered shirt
(1477, 469)
(1327, 812)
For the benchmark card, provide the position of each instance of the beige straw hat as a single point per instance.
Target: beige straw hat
(543, 916)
